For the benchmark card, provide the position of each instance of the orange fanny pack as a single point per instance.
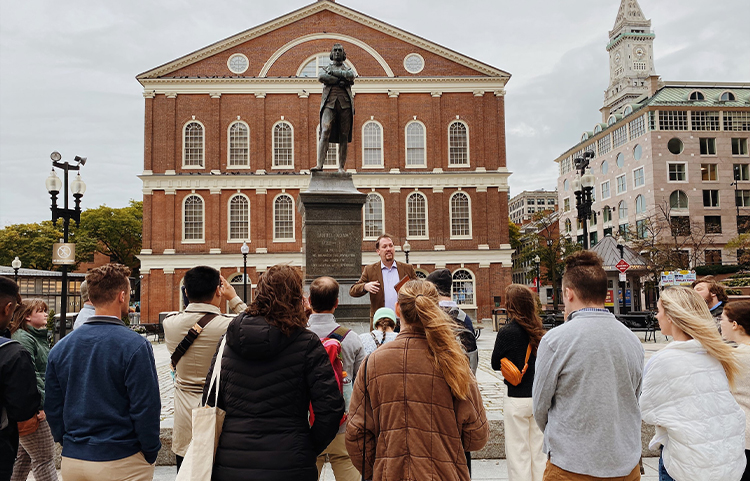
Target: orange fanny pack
(511, 372)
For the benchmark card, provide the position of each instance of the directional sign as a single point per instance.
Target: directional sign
(622, 266)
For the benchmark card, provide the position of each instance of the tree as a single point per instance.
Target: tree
(32, 243)
(117, 233)
(514, 234)
(741, 243)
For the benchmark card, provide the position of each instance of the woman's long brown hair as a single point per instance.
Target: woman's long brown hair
(520, 304)
(418, 301)
(25, 309)
(279, 298)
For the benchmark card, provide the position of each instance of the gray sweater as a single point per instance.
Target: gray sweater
(585, 395)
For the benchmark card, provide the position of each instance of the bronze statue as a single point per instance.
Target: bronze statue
(336, 107)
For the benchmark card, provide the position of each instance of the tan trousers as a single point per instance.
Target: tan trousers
(343, 469)
(523, 441)
(554, 473)
(132, 468)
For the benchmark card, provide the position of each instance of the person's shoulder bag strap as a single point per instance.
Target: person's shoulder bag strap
(526, 361)
(190, 338)
(339, 333)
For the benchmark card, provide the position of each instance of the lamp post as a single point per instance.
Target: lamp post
(16, 264)
(621, 248)
(537, 261)
(553, 255)
(245, 250)
(77, 187)
(407, 249)
(736, 200)
(582, 187)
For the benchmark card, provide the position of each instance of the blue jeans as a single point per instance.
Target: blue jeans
(663, 474)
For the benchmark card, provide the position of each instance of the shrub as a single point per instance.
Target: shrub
(712, 270)
(733, 292)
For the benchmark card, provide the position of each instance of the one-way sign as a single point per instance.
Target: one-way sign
(622, 266)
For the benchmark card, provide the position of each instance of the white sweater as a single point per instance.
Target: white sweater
(702, 428)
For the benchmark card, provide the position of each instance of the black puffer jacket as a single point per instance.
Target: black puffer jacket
(267, 383)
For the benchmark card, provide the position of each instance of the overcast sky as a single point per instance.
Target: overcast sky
(67, 73)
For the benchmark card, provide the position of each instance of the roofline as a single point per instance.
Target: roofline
(705, 84)
(310, 9)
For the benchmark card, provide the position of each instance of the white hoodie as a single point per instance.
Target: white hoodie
(702, 428)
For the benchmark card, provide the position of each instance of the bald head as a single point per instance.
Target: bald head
(324, 294)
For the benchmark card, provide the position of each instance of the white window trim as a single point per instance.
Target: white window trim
(681, 210)
(471, 216)
(705, 97)
(273, 141)
(406, 145)
(644, 177)
(711, 207)
(640, 215)
(382, 150)
(728, 92)
(202, 240)
(238, 55)
(747, 151)
(474, 287)
(563, 204)
(623, 160)
(609, 189)
(184, 129)
(687, 177)
(294, 220)
(468, 146)
(229, 220)
(617, 184)
(315, 57)
(717, 174)
(426, 217)
(415, 54)
(627, 214)
(716, 149)
(229, 146)
(382, 217)
(317, 146)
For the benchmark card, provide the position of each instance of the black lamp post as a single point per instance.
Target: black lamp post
(407, 249)
(583, 185)
(538, 261)
(16, 264)
(736, 199)
(245, 250)
(77, 187)
(623, 286)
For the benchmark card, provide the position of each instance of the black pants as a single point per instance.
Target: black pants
(746, 476)
(7, 459)
(179, 462)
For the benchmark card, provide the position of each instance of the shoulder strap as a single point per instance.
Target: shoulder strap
(339, 333)
(216, 374)
(526, 362)
(190, 338)
(5, 340)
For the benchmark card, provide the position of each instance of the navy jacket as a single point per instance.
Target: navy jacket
(102, 399)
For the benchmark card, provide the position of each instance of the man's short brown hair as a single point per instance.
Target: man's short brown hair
(384, 236)
(324, 292)
(713, 287)
(106, 282)
(585, 275)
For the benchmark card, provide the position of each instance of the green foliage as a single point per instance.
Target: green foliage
(741, 282)
(740, 275)
(32, 243)
(733, 292)
(712, 270)
(514, 234)
(117, 233)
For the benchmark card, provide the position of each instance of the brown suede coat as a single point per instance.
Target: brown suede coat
(415, 428)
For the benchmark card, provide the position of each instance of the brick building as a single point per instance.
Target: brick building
(231, 133)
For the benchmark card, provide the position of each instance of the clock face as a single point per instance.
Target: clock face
(639, 52)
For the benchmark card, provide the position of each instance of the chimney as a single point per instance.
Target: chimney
(653, 84)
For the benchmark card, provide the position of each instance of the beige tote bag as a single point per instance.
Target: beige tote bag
(207, 424)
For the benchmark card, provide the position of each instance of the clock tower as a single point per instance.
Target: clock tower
(631, 59)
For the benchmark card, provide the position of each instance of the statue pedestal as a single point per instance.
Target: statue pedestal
(332, 229)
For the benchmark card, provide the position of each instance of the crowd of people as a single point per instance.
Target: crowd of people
(400, 401)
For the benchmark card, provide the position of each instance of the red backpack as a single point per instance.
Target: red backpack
(332, 344)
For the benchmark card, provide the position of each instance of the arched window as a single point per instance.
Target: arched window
(605, 167)
(236, 282)
(239, 218)
(416, 215)
(458, 144)
(597, 128)
(373, 215)
(415, 144)
(640, 205)
(460, 216)
(697, 95)
(239, 145)
(678, 200)
(566, 185)
(568, 225)
(584, 137)
(192, 216)
(420, 274)
(463, 287)
(727, 96)
(622, 210)
(372, 144)
(192, 153)
(332, 156)
(606, 214)
(311, 67)
(283, 145)
(283, 218)
(627, 110)
(611, 120)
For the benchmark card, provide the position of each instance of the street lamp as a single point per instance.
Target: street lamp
(16, 264)
(407, 249)
(623, 286)
(736, 199)
(245, 250)
(538, 261)
(78, 188)
(583, 185)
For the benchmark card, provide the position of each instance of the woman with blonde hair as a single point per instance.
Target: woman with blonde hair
(735, 327)
(518, 341)
(36, 448)
(686, 395)
(416, 407)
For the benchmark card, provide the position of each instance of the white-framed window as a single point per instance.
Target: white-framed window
(568, 226)
(637, 152)
(696, 95)
(622, 210)
(603, 145)
(416, 216)
(736, 121)
(283, 145)
(677, 171)
(312, 65)
(620, 136)
(421, 274)
(606, 214)
(709, 172)
(193, 145)
(236, 280)
(640, 205)
(705, 120)
(639, 178)
(711, 198)
(620, 160)
(413, 63)
(673, 120)
(238, 63)
(611, 120)
(458, 144)
(637, 127)
(332, 156)
(627, 110)
(372, 144)
(622, 184)
(239, 218)
(605, 167)
(416, 144)
(566, 204)
(739, 146)
(373, 216)
(741, 171)
(238, 137)
(566, 185)
(193, 212)
(460, 213)
(605, 190)
(462, 290)
(678, 200)
(727, 96)
(707, 145)
(283, 218)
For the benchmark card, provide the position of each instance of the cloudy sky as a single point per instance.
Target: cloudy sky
(68, 70)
